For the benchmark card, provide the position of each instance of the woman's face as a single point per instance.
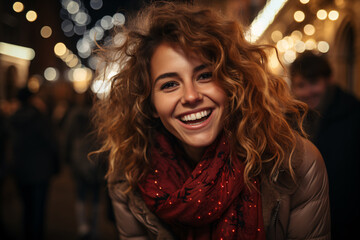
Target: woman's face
(186, 98)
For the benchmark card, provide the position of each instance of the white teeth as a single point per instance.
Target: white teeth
(195, 116)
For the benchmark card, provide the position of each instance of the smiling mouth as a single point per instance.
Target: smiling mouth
(196, 118)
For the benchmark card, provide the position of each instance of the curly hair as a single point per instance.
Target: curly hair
(262, 118)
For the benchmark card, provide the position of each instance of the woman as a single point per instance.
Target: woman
(204, 142)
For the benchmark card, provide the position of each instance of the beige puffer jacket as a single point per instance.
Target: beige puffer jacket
(290, 211)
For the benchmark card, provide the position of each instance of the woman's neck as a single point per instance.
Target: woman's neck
(194, 153)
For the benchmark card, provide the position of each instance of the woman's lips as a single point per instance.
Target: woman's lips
(196, 119)
(195, 116)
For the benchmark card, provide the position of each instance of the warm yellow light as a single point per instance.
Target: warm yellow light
(18, 6)
(73, 63)
(17, 51)
(296, 35)
(290, 42)
(34, 84)
(300, 46)
(81, 79)
(323, 47)
(276, 35)
(69, 57)
(282, 45)
(46, 31)
(265, 17)
(31, 16)
(310, 44)
(304, 1)
(273, 61)
(60, 49)
(289, 56)
(333, 15)
(321, 14)
(299, 16)
(309, 29)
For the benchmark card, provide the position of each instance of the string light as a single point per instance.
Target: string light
(299, 16)
(333, 15)
(60, 49)
(309, 29)
(323, 47)
(321, 14)
(18, 7)
(31, 16)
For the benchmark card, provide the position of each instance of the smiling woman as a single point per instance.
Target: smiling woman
(203, 141)
(188, 101)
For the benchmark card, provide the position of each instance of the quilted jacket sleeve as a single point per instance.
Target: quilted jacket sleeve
(310, 208)
(129, 228)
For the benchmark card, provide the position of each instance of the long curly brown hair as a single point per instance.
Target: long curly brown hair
(262, 117)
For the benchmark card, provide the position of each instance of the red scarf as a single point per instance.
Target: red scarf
(210, 201)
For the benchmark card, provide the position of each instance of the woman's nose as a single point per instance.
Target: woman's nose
(190, 94)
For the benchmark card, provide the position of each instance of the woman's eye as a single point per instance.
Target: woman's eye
(168, 85)
(205, 76)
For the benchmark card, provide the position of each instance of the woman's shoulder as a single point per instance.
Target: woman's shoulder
(311, 175)
(307, 158)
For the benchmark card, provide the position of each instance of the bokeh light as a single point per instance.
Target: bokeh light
(46, 31)
(96, 4)
(299, 16)
(106, 22)
(310, 44)
(309, 29)
(300, 46)
(60, 49)
(31, 16)
(119, 19)
(81, 78)
(296, 35)
(276, 35)
(18, 7)
(333, 15)
(321, 14)
(73, 62)
(51, 74)
(289, 56)
(323, 46)
(34, 83)
(72, 7)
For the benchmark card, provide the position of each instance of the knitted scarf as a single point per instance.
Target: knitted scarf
(209, 201)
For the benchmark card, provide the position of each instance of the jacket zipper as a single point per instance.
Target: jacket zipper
(275, 216)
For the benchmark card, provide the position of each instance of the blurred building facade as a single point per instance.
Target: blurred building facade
(328, 27)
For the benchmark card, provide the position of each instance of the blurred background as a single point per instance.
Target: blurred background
(47, 47)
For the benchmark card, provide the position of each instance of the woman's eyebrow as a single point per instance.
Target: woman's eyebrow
(174, 74)
(166, 75)
(199, 68)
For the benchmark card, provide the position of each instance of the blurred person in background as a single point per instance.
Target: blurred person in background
(204, 141)
(333, 124)
(88, 173)
(34, 159)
